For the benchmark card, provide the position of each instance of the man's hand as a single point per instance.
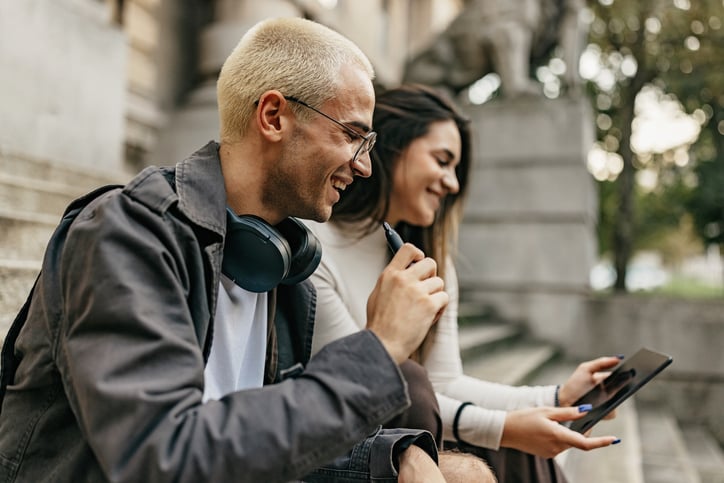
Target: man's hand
(536, 431)
(406, 301)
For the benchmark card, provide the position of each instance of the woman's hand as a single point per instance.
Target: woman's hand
(586, 375)
(537, 431)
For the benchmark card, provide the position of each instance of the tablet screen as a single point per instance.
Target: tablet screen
(627, 378)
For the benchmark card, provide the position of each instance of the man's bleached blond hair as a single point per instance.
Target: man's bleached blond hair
(298, 57)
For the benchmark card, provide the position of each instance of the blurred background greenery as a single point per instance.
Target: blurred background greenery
(655, 72)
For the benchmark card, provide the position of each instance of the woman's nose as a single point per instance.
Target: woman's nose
(450, 182)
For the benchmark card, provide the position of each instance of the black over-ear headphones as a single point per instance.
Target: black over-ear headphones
(258, 256)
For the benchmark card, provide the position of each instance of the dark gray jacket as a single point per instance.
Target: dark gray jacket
(105, 378)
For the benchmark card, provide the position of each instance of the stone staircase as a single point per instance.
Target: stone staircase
(33, 196)
(654, 448)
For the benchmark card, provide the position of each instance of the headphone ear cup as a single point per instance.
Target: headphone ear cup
(306, 250)
(256, 256)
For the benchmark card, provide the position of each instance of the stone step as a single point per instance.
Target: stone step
(16, 280)
(480, 339)
(35, 195)
(24, 235)
(475, 312)
(706, 454)
(653, 448)
(665, 456)
(36, 186)
(512, 365)
(556, 371)
(20, 166)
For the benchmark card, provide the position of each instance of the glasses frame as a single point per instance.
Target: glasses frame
(368, 140)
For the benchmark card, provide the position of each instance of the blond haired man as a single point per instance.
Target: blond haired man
(167, 337)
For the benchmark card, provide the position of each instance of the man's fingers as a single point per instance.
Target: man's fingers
(423, 269)
(406, 256)
(440, 299)
(433, 285)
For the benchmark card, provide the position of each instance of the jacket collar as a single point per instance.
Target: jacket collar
(202, 198)
(200, 188)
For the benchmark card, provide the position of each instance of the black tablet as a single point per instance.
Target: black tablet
(627, 378)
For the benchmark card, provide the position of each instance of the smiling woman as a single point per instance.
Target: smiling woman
(419, 130)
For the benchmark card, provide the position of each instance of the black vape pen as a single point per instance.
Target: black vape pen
(393, 238)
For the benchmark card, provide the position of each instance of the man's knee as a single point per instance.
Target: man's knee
(460, 468)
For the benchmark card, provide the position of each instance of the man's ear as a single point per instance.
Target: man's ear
(272, 115)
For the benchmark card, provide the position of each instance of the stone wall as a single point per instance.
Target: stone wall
(63, 82)
(527, 242)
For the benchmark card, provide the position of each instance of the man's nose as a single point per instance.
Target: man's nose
(362, 166)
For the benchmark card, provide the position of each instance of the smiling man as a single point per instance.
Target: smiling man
(168, 336)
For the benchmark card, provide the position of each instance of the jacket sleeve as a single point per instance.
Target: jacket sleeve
(132, 367)
(376, 458)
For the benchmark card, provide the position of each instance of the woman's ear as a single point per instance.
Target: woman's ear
(272, 115)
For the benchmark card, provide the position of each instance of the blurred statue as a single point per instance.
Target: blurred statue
(506, 37)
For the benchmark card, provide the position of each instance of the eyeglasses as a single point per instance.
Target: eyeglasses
(368, 141)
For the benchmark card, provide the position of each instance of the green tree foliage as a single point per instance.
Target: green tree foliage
(701, 91)
(677, 46)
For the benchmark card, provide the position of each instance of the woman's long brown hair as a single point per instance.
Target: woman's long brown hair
(402, 115)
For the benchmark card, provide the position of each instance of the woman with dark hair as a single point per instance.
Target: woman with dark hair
(420, 168)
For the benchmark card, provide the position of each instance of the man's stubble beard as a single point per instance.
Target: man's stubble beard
(285, 184)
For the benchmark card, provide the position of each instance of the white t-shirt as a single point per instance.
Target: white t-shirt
(238, 351)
